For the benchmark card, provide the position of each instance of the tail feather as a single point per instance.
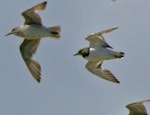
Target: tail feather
(119, 55)
(55, 31)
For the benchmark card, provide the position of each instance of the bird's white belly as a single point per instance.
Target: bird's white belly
(35, 32)
(99, 54)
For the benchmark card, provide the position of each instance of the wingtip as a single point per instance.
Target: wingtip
(116, 28)
(118, 82)
(115, 80)
(38, 80)
(45, 2)
(111, 77)
(111, 29)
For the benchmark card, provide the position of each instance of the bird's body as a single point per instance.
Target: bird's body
(97, 52)
(33, 31)
(100, 53)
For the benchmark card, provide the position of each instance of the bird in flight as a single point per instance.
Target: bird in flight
(137, 108)
(32, 31)
(98, 51)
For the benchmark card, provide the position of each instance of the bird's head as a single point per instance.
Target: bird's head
(78, 53)
(83, 52)
(14, 31)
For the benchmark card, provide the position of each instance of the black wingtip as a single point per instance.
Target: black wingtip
(45, 2)
(38, 80)
(118, 82)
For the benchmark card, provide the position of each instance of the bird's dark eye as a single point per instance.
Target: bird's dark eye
(85, 54)
(13, 29)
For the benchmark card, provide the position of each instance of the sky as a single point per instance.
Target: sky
(66, 87)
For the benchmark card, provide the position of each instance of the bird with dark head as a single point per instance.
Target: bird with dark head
(98, 51)
(84, 52)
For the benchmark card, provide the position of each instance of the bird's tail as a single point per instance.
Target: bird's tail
(119, 55)
(55, 31)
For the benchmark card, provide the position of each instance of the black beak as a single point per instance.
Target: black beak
(76, 54)
(8, 34)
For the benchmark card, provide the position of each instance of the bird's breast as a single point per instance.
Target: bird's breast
(93, 55)
(98, 54)
(34, 31)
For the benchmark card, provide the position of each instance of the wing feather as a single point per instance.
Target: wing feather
(137, 108)
(96, 69)
(31, 17)
(96, 39)
(27, 49)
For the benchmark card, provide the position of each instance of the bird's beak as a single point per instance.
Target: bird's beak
(8, 34)
(76, 54)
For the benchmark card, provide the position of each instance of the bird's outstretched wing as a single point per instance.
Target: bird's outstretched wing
(137, 108)
(31, 17)
(96, 69)
(96, 39)
(27, 49)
